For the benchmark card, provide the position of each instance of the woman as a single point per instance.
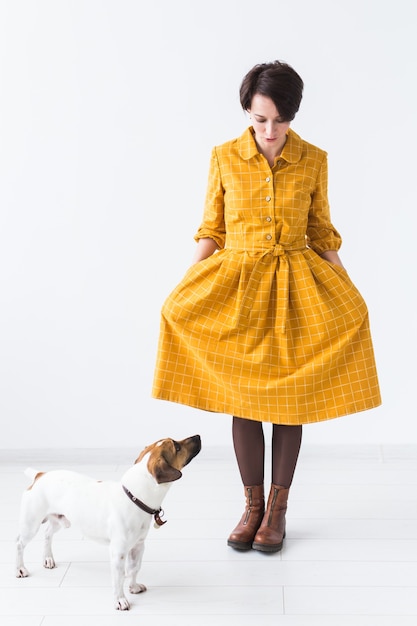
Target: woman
(266, 324)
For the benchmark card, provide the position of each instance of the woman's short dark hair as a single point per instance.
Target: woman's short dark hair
(277, 81)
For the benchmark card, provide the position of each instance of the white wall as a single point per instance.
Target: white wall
(102, 103)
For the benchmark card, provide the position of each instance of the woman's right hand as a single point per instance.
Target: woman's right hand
(205, 248)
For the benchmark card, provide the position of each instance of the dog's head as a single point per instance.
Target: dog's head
(168, 456)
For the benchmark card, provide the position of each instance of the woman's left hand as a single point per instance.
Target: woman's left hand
(333, 257)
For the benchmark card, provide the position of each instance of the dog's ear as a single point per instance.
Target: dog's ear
(163, 472)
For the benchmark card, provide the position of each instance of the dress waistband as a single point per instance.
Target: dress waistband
(272, 264)
(277, 249)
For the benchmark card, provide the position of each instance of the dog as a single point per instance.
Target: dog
(118, 513)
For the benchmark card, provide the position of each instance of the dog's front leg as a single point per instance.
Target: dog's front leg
(118, 566)
(134, 562)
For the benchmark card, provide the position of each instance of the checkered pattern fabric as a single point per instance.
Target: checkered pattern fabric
(265, 328)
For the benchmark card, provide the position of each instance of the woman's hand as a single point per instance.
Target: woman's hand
(333, 257)
(205, 248)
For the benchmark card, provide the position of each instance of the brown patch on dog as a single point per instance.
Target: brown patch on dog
(167, 457)
(38, 475)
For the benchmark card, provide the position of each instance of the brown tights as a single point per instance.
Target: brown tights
(249, 444)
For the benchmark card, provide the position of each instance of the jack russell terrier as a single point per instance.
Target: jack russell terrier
(116, 513)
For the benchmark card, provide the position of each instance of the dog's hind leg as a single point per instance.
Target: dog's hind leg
(133, 564)
(21, 543)
(29, 527)
(54, 522)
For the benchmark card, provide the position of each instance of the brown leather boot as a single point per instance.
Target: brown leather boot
(242, 536)
(271, 533)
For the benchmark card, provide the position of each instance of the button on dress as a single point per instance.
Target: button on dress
(265, 328)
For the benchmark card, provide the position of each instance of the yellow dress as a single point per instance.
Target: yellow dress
(266, 329)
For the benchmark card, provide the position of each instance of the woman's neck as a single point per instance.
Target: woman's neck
(273, 154)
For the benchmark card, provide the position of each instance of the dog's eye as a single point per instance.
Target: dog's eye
(177, 446)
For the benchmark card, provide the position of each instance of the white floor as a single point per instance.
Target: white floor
(350, 556)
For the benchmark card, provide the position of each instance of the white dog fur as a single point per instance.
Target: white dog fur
(107, 511)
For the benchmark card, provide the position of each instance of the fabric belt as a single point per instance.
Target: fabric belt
(272, 264)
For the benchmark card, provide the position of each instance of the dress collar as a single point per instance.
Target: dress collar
(291, 152)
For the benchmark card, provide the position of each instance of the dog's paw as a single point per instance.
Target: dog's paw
(22, 572)
(122, 604)
(49, 562)
(137, 588)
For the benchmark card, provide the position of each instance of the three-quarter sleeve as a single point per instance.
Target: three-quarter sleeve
(213, 224)
(321, 234)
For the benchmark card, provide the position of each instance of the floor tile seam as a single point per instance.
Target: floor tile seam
(336, 539)
(340, 520)
(34, 567)
(254, 585)
(228, 616)
(203, 585)
(364, 484)
(354, 616)
(347, 562)
(250, 562)
(107, 585)
(360, 587)
(67, 565)
(153, 542)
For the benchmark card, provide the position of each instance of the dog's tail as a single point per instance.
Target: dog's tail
(33, 474)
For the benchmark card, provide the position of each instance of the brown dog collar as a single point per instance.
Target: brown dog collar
(155, 512)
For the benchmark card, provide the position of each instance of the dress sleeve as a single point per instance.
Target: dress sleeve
(321, 234)
(213, 224)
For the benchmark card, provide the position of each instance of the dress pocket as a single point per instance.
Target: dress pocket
(336, 289)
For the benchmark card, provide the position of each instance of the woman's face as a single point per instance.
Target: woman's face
(270, 130)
